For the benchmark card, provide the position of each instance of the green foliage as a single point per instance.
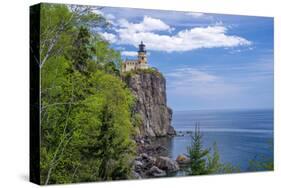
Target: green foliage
(59, 23)
(86, 121)
(216, 167)
(111, 68)
(82, 50)
(228, 168)
(90, 52)
(201, 160)
(139, 71)
(197, 154)
(107, 57)
(262, 163)
(214, 162)
(137, 120)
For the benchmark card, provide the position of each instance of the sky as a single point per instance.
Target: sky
(210, 61)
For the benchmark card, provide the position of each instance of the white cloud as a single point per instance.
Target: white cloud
(109, 37)
(148, 24)
(129, 53)
(110, 16)
(185, 40)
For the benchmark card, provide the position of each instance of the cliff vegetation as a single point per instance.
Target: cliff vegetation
(86, 119)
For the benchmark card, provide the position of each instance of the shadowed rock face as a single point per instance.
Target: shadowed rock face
(150, 91)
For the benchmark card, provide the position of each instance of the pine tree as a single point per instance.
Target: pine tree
(197, 154)
(214, 165)
(82, 50)
(201, 160)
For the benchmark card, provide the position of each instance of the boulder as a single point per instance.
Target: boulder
(156, 172)
(138, 166)
(144, 156)
(144, 162)
(136, 175)
(183, 159)
(167, 164)
(138, 163)
(138, 158)
(147, 158)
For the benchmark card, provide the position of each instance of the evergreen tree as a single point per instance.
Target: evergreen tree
(201, 160)
(197, 154)
(82, 50)
(214, 165)
(261, 162)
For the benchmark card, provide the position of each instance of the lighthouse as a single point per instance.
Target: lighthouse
(140, 63)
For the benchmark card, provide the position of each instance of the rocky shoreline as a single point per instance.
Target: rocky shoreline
(150, 162)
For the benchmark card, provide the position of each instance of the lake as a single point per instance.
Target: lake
(241, 135)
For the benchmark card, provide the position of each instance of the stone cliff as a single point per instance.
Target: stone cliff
(149, 87)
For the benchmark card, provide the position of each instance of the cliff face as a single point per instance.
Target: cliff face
(150, 91)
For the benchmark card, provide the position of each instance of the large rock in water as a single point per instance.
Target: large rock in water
(149, 87)
(156, 172)
(183, 159)
(167, 164)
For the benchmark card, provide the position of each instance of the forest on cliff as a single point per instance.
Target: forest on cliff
(86, 123)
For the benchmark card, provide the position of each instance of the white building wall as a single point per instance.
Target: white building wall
(128, 66)
(133, 65)
(143, 66)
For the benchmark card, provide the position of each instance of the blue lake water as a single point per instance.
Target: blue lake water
(241, 135)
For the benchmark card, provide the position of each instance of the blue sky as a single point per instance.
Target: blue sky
(210, 61)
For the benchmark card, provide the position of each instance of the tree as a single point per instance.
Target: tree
(261, 162)
(111, 141)
(58, 23)
(214, 165)
(82, 50)
(86, 125)
(108, 58)
(197, 154)
(81, 113)
(202, 162)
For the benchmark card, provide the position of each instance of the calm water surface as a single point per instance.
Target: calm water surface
(241, 135)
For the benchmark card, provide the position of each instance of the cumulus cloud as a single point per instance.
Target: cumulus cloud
(108, 36)
(110, 17)
(129, 53)
(184, 40)
(148, 24)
